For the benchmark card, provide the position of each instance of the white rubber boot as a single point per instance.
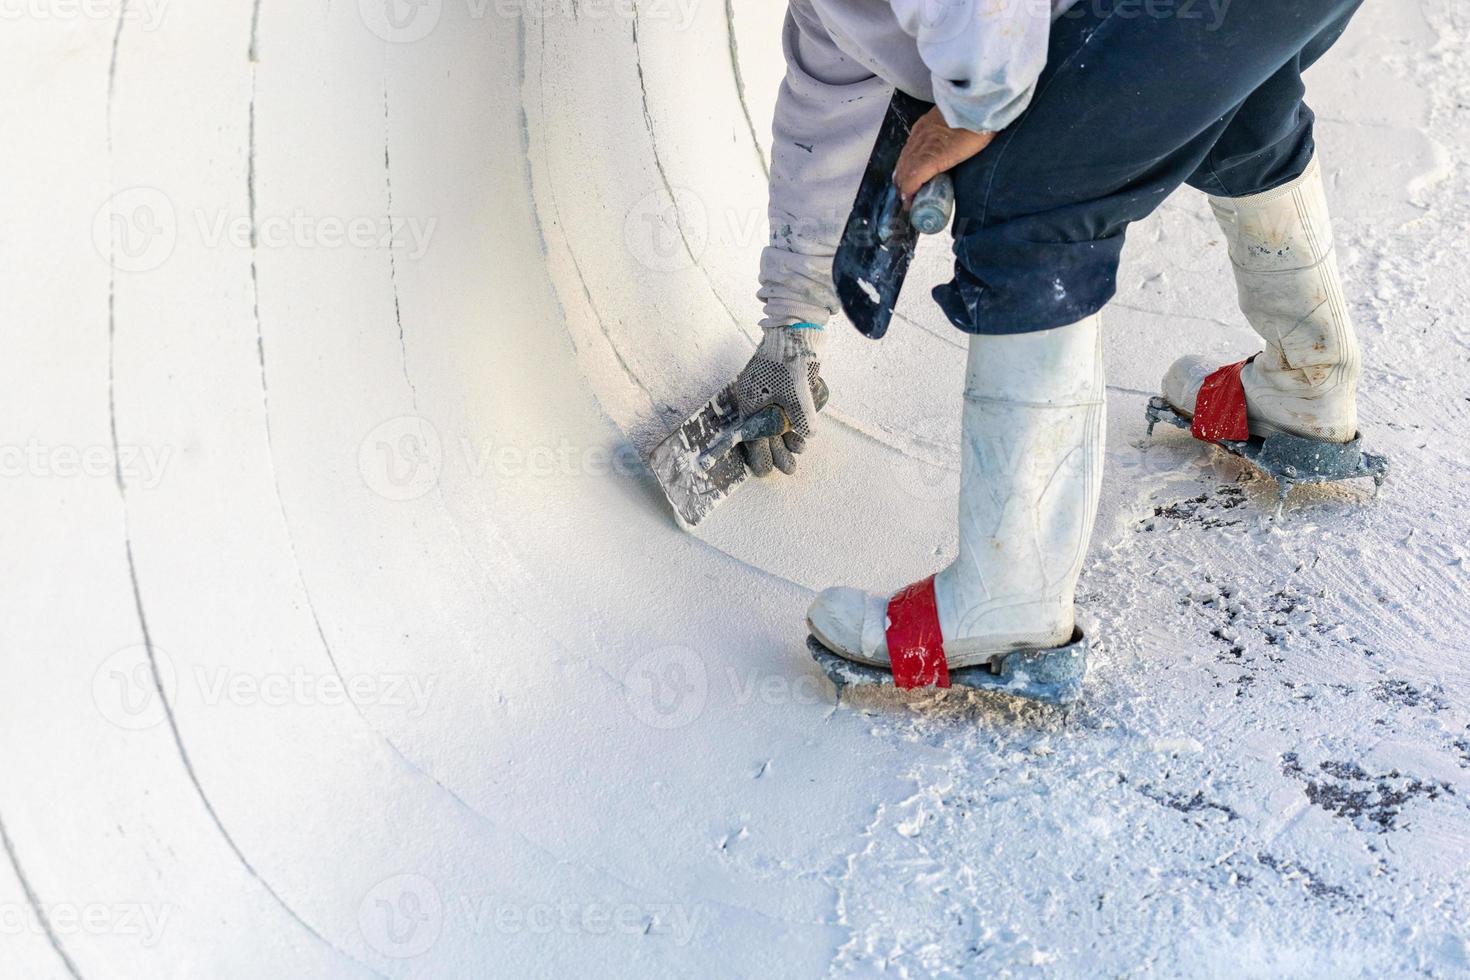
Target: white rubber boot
(1031, 468)
(1306, 381)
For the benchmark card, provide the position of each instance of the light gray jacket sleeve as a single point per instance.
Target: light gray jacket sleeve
(828, 110)
(985, 55)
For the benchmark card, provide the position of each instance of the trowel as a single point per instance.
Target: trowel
(879, 240)
(698, 465)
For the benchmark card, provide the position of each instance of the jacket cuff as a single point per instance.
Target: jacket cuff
(987, 113)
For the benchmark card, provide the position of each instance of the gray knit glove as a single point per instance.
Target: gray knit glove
(785, 371)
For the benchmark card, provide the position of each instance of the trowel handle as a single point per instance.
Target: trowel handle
(769, 422)
(933, 205)
(772, 421)
(929, 215)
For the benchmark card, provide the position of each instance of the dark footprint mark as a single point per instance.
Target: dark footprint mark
(1370, 802)
(1208, 510)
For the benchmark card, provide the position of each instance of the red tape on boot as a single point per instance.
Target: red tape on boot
(915, 643)
(1219, 411)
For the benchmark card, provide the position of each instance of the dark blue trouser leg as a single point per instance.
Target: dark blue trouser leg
(1268, 141)
(1130, 107)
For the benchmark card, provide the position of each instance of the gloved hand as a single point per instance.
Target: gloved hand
(785, 371)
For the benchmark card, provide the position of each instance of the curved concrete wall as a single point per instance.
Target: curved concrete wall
(341, 326)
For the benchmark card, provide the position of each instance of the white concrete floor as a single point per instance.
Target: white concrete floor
(344, 635)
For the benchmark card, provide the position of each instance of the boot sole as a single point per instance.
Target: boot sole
(1048, 676)
(959, 655)
(1288, 459)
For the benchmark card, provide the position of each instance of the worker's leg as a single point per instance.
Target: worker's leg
(1128, 109)
(1269, 140)
(1130, 106)
(1265, 186)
